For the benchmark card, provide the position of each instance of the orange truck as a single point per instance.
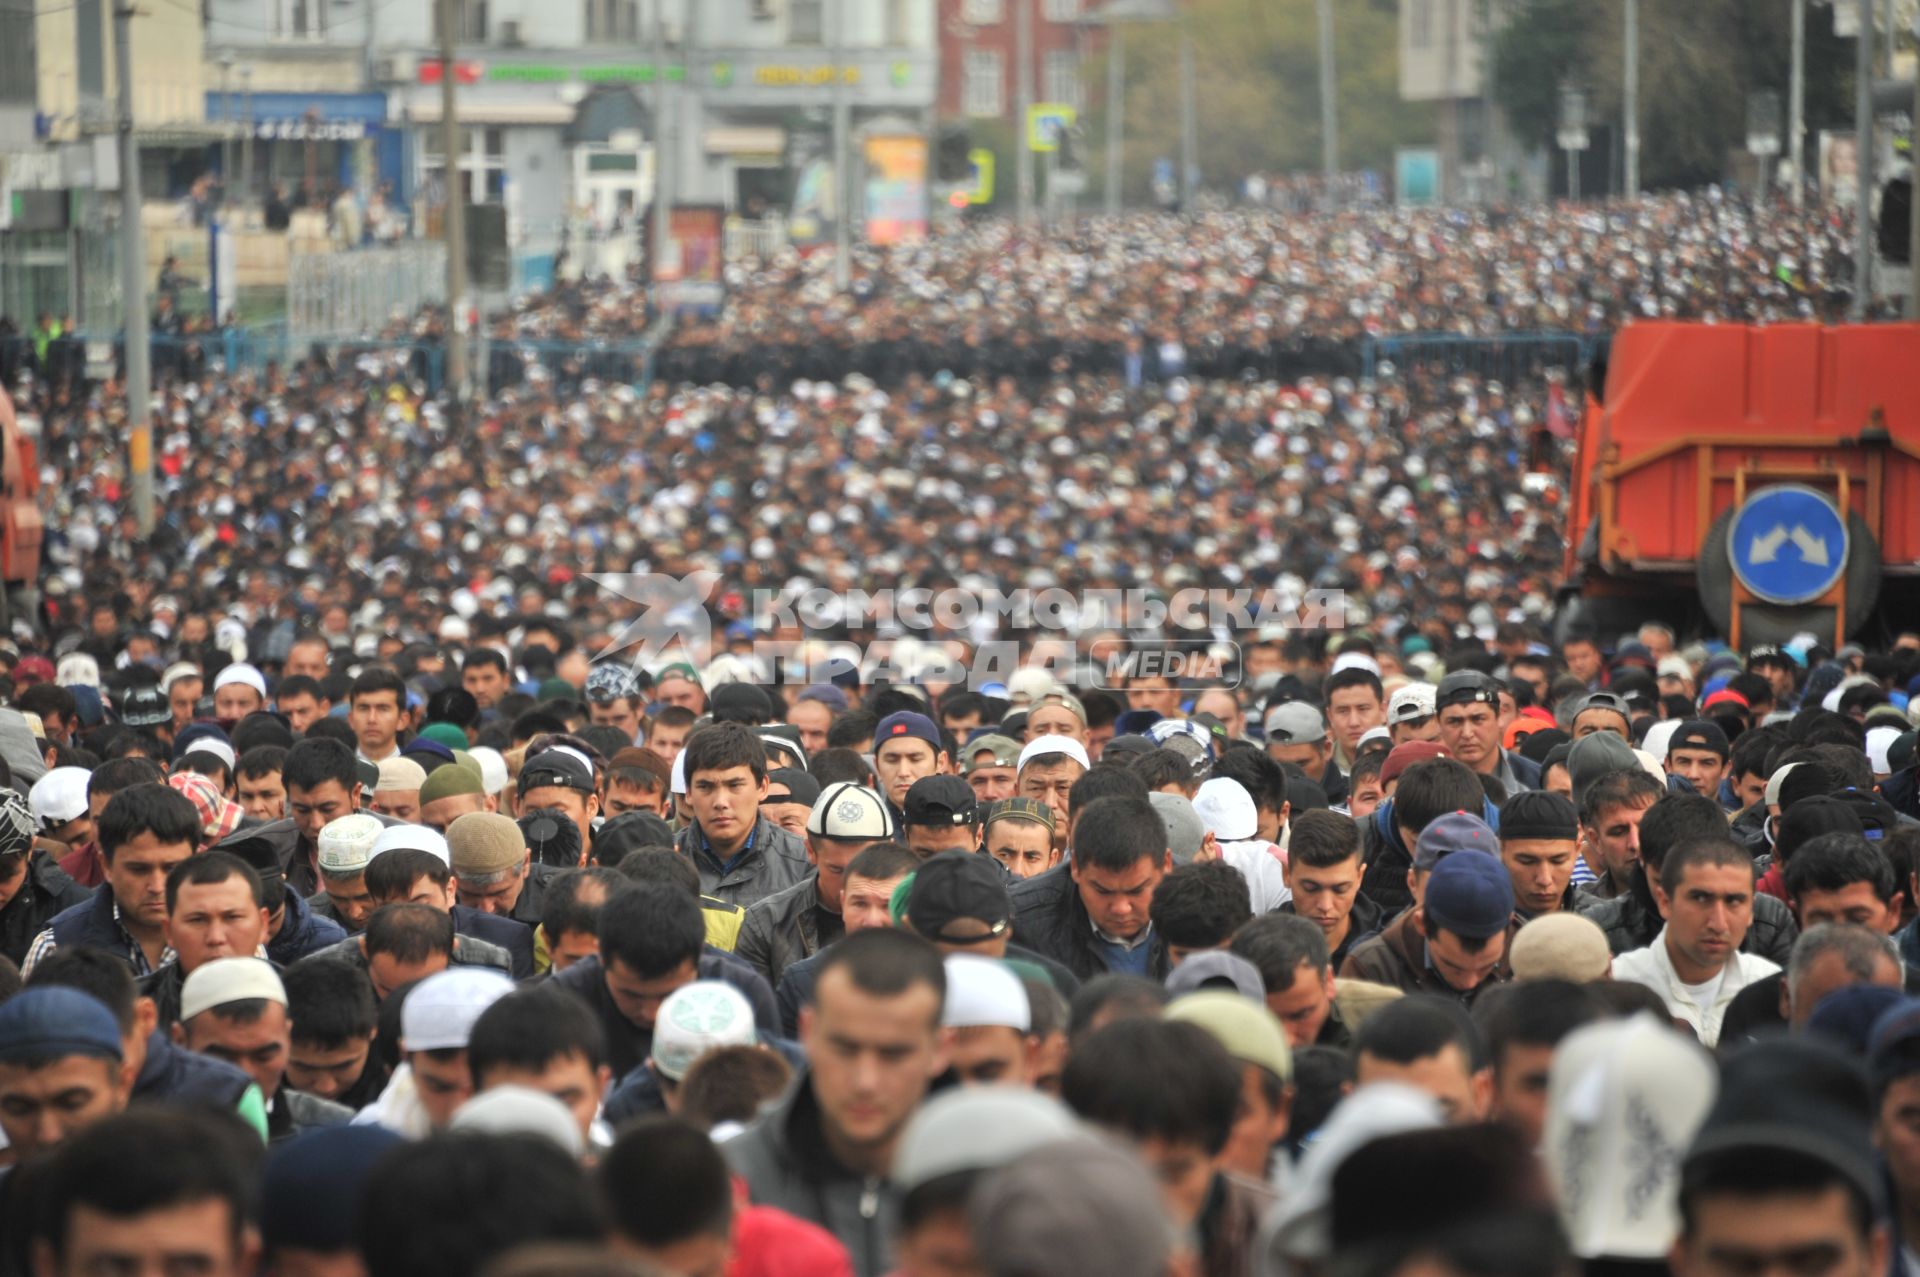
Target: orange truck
(20, 520)
(1750, 482)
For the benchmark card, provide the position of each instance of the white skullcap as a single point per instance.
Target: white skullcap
(60, 795)
(177, 671)
(346, 845)
(1659, 735)
(695, 1019)
(1356, 661)
(410, 838)
(521, 1110)
(493, 768)
(225, 980)
(1054, 744)
(241, 672)
(440, 1011)
(678, 785)
(215, 746)
(1879, 741)
(984, 991)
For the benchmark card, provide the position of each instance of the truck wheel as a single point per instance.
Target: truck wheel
(1769, 623)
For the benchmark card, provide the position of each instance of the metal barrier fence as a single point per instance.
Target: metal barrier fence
(361, 292)
(1509, 357)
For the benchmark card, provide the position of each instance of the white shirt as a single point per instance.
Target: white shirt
(1260, 866)
(1653, 967)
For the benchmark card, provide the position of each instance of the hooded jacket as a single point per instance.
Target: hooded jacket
(1049, 919)
(302, 932)
(786, 1163)
(777, 860)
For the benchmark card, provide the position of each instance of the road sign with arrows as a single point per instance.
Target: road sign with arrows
(1788, 544)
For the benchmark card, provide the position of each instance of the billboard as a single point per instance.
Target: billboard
(896, 189)
(1416, 176)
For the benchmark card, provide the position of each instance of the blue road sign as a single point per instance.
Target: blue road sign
(1788, 544)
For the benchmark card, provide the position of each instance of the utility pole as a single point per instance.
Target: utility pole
(1797, 106)
(1863, 166)
(662, 195)
(1632, 94)
(455, 217)
(1022, 107)
(1116, 111)
(1189, 127)
(842, 151)
(1329, 123)
(133, 281)
(246, 134)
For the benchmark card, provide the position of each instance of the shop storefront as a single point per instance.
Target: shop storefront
(310, 141)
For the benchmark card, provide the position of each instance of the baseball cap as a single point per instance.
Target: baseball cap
(1608, 701)
(493, 768)
(982, 993)
(310, 1187)
(1227, 810)
(1250, 1032)
(956, 885)
(1294, 723)
(1217, 969)
(1411, 703)
(145, 707)
(695, 1019)
(1465, 687)
(1028, 809)
(1798, 1095)
(799, 786)
(1673, 666)
(1186, 831)
(1471, 896)
(1622, 1095)
(977, 1128)
(440, 1011)
(40, 1024)
(554, 769)
(60, 795)
(778, 736)
(1593, 757)
(1456, 831)
(1700, 733)
(846, 812)
(908, 724)
(827, 694)
(227, 980)
(1047, 746)
(939, 801)
(410, 838)
(1538, 814)
(1406, 754)
(1560, 946)
(999, 751)
(345, 845)
(1768, 654)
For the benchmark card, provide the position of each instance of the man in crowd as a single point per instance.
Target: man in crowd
(803, 919)
(1019, 834)
(235, 1009)
(1454, 942)
(214, 911)
(144, 832)
(742, 856)
(1092, 916)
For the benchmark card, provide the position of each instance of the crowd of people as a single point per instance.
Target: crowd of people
(482, 956)
(371, 906)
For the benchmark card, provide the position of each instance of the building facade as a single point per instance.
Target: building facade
(979, 56)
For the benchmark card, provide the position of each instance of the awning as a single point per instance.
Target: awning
(745, 140)
(606, 110)
(471, 112)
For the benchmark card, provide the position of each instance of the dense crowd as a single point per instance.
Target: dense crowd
(378, 899)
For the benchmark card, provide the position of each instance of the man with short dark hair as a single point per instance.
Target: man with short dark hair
(570, 913)
(1324, 873)
(652, 942)
(1539, 844)
(1467, 705)
(1432, 1045)
(1313, 1007)
(1523, 1024)
(1092, 915)
(323, 784)
(1705, 892)
(541, 1038)
(335, 1019)
(235, 1009)
(145, 831)
(742, 856)
(376, 704)
(874, 1044)
(1611, 807)
(149, 1191)
(865, 903)
(1424, 791)
(213, 911)
(61, 1067)
(941, 815)
(1198, 907)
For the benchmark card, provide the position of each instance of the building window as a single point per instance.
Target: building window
(614, 20)
(473, 26)
(1420, 24)
(1061, 10)
(981, 13)
(1061, 78)
(483, 163)
(985, 91)
(17, 76)
(806, 22)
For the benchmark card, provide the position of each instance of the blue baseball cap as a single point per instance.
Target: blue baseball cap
(906, 723)
(1471, 896)
(38, 1025)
